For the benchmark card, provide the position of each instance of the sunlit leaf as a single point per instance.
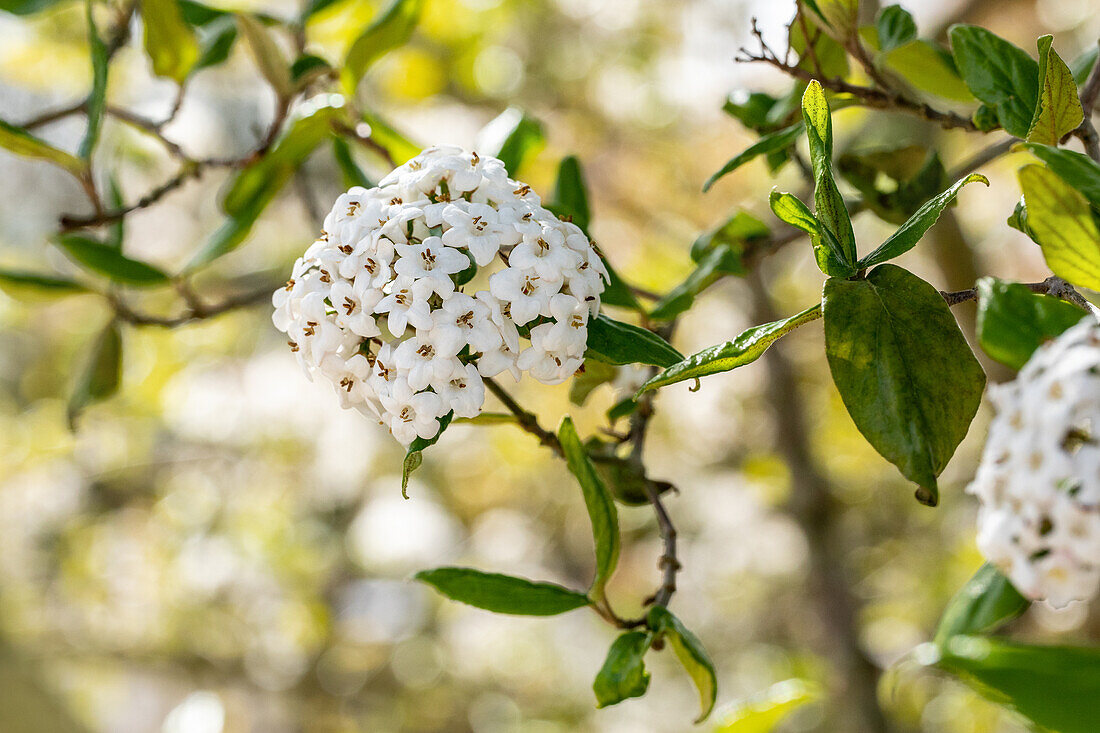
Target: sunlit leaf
(414, 454)
(827, 250)
(679, 299)
(616, 342)
(502, 593)
(269, 58)
(97, 98)
(895, 26)
(23, 285)
(1059, 109)
(169, 41)
(998, 73)
(691, 654)
(985, 603)
(1062, 222)
(21, 142)
(829, 207)
(392, 28)
(762, 713)
(1076, 169)
(105, 260)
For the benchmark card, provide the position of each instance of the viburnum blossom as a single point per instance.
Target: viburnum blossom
(1039, 478)
(382, 304)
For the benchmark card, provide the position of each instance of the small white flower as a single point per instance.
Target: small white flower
(464, 392)
(569, 332)
(545, 253)
(424, 363)
(407, 304)
(476, 227)
(412, 415)
(526, 293)
(432, 262)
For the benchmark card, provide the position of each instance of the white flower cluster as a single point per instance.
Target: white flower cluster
(1039, 478)
(377, 304)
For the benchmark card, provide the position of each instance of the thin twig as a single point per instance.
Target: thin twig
(196, 310)
(1086, 131)
(1054, 286)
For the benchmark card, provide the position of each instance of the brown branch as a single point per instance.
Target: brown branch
(192, 170)
(196, 309)
(366, 141)
(46, 118)
(1086, 131)
(1053, 286)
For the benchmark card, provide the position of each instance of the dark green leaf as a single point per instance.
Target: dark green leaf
(101, 375)
(907, 236)
(744, 349)
(520, 136)
(1077, 169)
(414, 455)
(1083, 64)
(616, 342)
(903, 370)
(1062, 223)
(1013, 321)
(306, 68)
(1058, 110)
(895, 181)
(392, 28)
(623, 674)
(778, 140)
(690, 653)
(97, 98)
(986, 602)
(269, 58)
(601, 507)
(1018, 219)
(985, 118)
(199, 14)
(751, 109)
(502, 593)
(592, 375)
(216, 41)
(1000, 74)
(895, 26)
(1057, 688)
(828, 203)
(21, 142)
(623, 408)
(105, 260)
(170, 43)
(116, 231)
(352, 174)
(570, 194)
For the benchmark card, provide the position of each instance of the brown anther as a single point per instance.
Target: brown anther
(310, 329)
(325, 277)
(467, 320)
(522, 190)
(527, 216)
(371, 265)
(346, 249)
(529, 284)
(474, 160)
(347, 383)
(576, 321)
(402, 297)
(293, 346)
(289, 285)
(395, 201)
(428, 258)
(543, 246)
(323, 237)
(426, 351)
(406, 414)
(353, 207)
(349, 305)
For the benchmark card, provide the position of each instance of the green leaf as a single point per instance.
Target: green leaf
(680, 298)
(909, 233)
(928, 68)
(570, 194)
(623, 408)
(998, 73)
(985, 603)
(97, 98)
(1062, 222)
(269, 58)
(1083, 64)
(616, 342)
(502, 593)
(1077, 169)
(828, 203)
(26, 7)
(102, 373)
(307, 68)
(519, 135)
(312, 8)
(825, 56)
(690, 652)
(23, 285)
(1058, 110)
(1057, 688)
(170, 43)
(592, 375)
(839, 16)
(352, 174)
(746, 348)
(732, 236)
(773, 141)
(116, 231)
(414, 454)
(827, 250)
(216, 41)
(1013, 321)
(601, 507)
(199, 14)
(903, 370)
(24, 144)
(105, 260)
(751, 109)
(388, 31)
(895, 26)
(762, 713)
(623, 674)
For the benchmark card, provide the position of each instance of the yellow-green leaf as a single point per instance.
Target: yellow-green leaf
(102, 373)
(388, 31)
(169, 41)
(22, 143)
(828, 203)
(1062, 223)
(689, 650)
(762, 713)
(269, 59)
(1059, 109)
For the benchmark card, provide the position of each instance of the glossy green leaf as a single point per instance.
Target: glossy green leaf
(680, 298)
(827, 250)
(570, 193)
(502, 593)
(903, 369)
(102, 372)
(97, 98)
(1059, 109)
(623, 674)
(839, 16)
(21, 142)
(690, 652)
(23, 285)
(616, 342)
(746, 348)
(514, 137)
(985, 603)
(1077, 169)
(998, 73)
(1058, 688)
(105, 260)
(1013, 321)
(828, 203)
(391, 29)
(269, 58)
(170, 43)
(414, 454)
(773, 141)
(895, 181)
(909, 233)
(762, 713)
(895, 26)
(352, 174)
(600, 505)
(1062, 222)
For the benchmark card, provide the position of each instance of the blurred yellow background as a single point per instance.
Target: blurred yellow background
(220, 548)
